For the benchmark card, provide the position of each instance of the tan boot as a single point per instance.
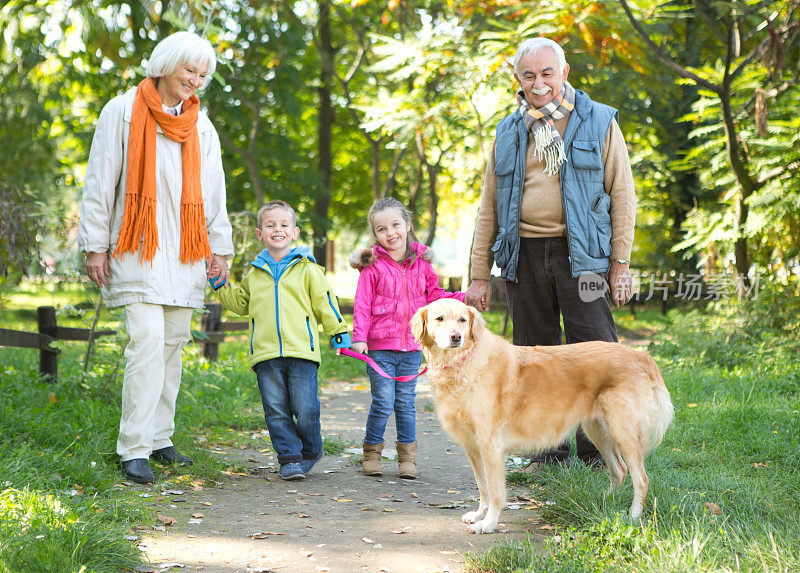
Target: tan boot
(371, 464)
(407, 459)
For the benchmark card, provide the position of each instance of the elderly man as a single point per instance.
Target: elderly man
(556, 214)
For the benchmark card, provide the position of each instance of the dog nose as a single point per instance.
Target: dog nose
(455, 338)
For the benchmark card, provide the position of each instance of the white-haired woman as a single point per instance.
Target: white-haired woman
(153, 215)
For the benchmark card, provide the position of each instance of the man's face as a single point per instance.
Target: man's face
(540, 76)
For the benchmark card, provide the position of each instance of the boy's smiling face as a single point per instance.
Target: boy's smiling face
(277, 231)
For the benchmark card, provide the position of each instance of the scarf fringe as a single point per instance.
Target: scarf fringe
(548, 149)
(194, 235)
(141, 228)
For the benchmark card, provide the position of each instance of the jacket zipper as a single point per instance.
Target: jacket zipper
(310, 335)
(333, 307)
(252, 334)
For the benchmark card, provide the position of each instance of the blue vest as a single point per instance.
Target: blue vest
(586, 203)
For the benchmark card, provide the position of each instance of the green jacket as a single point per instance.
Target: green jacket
(285, 314)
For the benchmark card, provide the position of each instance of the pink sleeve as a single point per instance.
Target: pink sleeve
(432, 289)
(362, 305)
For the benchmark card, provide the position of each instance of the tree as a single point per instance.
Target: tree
(751, 40)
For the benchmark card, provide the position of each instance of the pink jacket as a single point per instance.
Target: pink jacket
(388, 295)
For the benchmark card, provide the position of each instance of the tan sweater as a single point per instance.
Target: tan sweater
(542, 211)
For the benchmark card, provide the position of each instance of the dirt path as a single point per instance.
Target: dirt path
(337, 519)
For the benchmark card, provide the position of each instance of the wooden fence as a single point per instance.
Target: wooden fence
(49, 332)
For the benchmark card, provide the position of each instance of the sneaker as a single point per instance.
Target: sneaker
(292, 472)
(309, 463)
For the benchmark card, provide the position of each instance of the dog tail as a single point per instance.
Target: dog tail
(664, 411)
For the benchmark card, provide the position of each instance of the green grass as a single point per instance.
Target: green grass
(724, 484)
(735, 444)
(62, 505)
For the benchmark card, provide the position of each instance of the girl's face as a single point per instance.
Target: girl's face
(391, 230)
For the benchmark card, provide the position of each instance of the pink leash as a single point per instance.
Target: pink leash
(378, 369)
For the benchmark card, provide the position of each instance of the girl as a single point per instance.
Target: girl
(396, 279)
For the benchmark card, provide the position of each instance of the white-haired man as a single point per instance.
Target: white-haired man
(153, 212)
(556, 214)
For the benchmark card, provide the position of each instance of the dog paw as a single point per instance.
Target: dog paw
(482, 526)
(472, 516)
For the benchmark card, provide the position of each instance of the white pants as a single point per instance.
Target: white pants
(152, 377)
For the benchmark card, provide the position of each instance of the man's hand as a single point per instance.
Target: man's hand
(218, 267)
(620, 282)
(479, 294)
(97, 268)
(360, 347)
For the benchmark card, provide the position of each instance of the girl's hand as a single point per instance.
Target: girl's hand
(360, 347)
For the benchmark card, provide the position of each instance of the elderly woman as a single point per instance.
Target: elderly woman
(153, 216)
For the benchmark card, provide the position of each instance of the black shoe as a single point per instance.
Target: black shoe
(170, 455)
(138, 470)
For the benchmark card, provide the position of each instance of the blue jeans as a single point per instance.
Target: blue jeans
(288, 389)
(389, 396)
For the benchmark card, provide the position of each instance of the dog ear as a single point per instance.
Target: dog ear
(418, 322)
(476, 323)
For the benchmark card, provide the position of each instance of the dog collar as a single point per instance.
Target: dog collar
(459, 361)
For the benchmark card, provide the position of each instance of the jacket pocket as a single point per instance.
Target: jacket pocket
(600, 226)
(587, 155)
(252, 334)
(384, 312)
(310, 333)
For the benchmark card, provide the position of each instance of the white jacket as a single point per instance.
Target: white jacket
(167, 281)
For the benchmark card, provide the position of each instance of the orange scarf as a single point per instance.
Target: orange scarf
(139, 217)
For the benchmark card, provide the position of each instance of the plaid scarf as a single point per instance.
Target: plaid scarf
(541, 123)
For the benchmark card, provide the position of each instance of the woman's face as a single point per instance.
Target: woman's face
(182, 83)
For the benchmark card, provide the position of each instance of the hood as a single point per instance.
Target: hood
(363, 258)
(264, 258)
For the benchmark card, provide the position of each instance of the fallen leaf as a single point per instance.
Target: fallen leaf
(387, 510)
(401, 531)
(198, 515)
(367, 540)
(195, 521)
(453, 491)
(414, 495)
(264, 534)
(207, 503)
(548, 527)
(343, 500)
(713, 507)
(173, 492)
(303, 501)
(52, 398)
(303, 515)
(165, 519)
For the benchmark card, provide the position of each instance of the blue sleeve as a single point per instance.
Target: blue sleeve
(341, 340)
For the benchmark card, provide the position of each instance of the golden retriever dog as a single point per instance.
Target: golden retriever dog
(492, 397)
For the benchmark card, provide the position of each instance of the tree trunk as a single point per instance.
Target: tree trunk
(324, 155)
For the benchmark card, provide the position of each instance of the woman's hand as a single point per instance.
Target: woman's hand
(97, 268)
(360, 347)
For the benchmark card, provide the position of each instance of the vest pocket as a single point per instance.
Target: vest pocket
(501, 249)
(600, 226)
(587, 155)
(505, 154)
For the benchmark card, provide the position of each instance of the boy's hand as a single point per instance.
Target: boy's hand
(360, 347)
(217, 270)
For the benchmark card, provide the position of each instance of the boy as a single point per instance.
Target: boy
(285, 294)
